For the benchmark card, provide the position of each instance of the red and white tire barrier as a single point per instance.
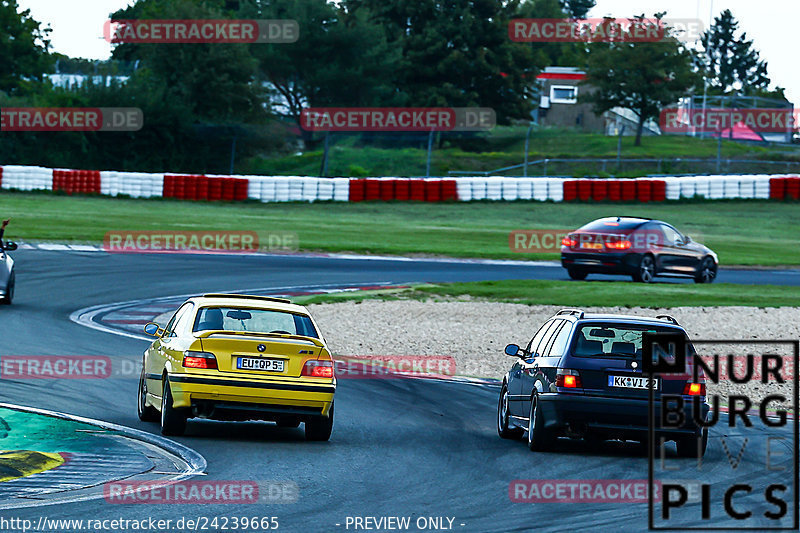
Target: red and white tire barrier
(465, 189)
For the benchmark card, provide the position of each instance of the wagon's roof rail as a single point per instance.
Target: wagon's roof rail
(668, 318)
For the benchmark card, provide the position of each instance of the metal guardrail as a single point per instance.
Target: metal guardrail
(560, 166)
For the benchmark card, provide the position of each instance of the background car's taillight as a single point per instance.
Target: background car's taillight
(568, 241)
(568, 379)
(199, 360)
(694, 389)
(318, 369)
(618, 245)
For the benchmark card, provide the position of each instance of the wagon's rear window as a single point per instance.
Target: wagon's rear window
(620, 340)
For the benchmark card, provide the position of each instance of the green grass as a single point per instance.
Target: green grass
(504, 146)
(752, 232)
(587, 294)
(30, 431)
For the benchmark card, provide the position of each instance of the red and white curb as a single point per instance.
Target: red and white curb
(268, 189)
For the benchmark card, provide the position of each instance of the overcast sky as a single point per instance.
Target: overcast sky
(78, 26)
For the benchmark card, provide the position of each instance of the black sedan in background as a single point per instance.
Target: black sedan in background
(640, 247)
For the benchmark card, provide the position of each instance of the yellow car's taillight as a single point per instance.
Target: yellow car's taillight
(318, 369)
(199, 360)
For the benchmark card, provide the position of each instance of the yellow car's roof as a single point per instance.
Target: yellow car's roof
(250, 301)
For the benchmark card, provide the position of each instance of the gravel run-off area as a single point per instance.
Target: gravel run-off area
(474, 333)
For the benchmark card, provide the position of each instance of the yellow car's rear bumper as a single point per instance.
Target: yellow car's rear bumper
(301, 395)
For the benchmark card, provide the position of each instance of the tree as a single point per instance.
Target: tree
(24, 47)
(577, 8)
(216, 81)
(731, 64)
(639, 76)
(457, 53)
(552, 54)
(329, 65)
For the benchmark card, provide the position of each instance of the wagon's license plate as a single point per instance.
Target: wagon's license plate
(257, 363)
(630, 382)
(592, 245)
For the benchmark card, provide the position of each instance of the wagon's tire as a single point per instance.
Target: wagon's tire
(173, 421)
(319, 428)
(147, 413)
(688, 446)
(503, 429)
(594, 440)
(707, 272)
(646, 270)
(577, 274)
(9, 297)
(644, 447)
(539, 438)
(288, 422)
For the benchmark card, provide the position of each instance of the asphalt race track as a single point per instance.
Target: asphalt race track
(402, 447)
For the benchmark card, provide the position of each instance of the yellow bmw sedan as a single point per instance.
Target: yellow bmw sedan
(238, 357)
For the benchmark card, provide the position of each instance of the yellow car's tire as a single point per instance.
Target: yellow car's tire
(319, 428)
(147, 413)
(173, 421)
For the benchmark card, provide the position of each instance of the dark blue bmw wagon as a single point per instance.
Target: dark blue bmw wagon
(580, 376)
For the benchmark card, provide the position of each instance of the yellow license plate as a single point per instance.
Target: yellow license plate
(591, 245)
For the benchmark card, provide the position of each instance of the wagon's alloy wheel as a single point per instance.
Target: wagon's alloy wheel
(503, 428)
(539, 438)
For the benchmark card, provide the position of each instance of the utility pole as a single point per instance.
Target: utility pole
(527, 141)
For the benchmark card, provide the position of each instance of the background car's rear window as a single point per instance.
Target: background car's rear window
(255, 320)
(611, 225)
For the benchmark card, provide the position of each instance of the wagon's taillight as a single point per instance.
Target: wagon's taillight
(318, 369)
(199, 360)
(568, 379)
(694, 389)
